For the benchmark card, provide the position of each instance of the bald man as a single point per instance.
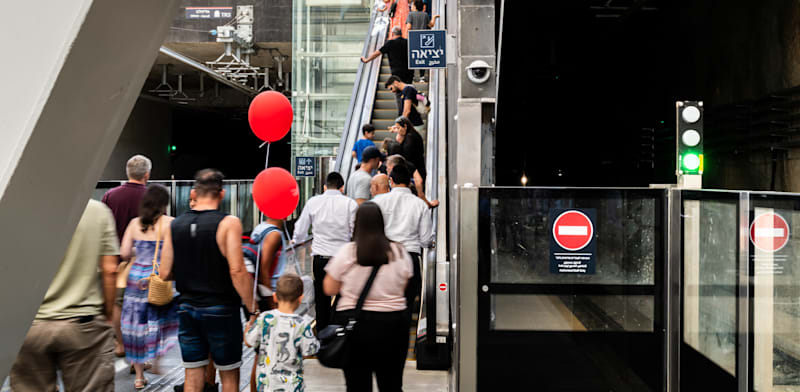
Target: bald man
(379, 185)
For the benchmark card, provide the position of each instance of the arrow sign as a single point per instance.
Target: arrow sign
(769, 232)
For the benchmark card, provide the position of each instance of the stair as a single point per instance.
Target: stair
(384, 110)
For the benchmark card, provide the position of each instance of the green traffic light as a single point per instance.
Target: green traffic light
(173, 148)
(691, 162)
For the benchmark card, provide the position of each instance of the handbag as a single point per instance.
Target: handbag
(123, 270)
(160, 291)
(334, 346)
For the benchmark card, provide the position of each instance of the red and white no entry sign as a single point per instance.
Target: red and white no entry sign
(443, 286)
(769, 232)
(573, 230)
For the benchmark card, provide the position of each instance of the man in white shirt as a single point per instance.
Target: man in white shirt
(407, 220)
(358, 183)
(331, 216)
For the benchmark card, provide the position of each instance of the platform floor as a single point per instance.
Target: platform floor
(318, 377)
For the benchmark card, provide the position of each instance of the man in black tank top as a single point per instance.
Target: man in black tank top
(202, 253)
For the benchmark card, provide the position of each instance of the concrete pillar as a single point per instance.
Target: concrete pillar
(78, 67)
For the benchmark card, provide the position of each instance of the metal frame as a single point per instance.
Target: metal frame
(743, 321)
(202, 68)
(674, 296)
(465, 329)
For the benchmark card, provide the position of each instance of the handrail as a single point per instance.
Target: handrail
(436, 299)
(362, 99)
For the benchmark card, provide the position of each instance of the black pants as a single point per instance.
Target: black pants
(379, 344)
(322, 302)
(414, 287)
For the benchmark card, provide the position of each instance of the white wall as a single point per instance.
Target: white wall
(36, 38)
(71, 73)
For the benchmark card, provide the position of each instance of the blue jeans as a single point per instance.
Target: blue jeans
(215, 330)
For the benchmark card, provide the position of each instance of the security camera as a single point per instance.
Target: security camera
(479, 71)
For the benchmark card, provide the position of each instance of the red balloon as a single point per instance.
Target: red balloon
(270, 116)
(275, 192)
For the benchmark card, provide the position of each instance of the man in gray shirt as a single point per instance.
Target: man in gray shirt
(358, 183)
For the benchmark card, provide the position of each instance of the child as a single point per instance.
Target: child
(281, 339)
(369, 132)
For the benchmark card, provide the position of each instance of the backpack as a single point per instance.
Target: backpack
(251, 249)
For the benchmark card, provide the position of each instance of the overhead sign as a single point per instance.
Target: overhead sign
(573, 246)
(304, 167)
(426, 49)
(769, 232)
(209, 12)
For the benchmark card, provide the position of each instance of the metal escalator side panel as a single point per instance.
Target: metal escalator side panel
(362, 100)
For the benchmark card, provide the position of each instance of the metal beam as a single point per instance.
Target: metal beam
(202, 68)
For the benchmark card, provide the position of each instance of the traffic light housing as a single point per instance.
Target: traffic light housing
(689, 137)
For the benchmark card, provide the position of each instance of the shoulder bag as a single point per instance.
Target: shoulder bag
(334, 347)
(160, 291)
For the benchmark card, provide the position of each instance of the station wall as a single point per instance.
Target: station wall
(273, 21)
(736, 53)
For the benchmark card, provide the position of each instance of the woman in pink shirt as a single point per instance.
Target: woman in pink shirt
(379, 343)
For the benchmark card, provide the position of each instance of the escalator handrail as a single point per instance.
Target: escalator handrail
(362, 98)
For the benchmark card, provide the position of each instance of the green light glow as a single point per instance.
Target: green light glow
(173, 148)
(691, 162)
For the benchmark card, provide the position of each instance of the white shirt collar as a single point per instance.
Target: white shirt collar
(403, 189)
(332, 192)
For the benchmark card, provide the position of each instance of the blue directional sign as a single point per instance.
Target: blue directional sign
(304, 167)
(426, 49)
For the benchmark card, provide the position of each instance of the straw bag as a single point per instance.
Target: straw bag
(160, 292)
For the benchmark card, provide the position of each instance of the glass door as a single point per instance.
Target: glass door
(571, 289)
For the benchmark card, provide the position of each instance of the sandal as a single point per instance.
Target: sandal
(140, 383)
(147, 366)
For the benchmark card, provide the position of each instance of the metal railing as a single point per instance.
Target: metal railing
(238, 199)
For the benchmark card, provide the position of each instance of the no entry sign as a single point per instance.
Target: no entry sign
(572, 246)
(769, 232)
(573, 230)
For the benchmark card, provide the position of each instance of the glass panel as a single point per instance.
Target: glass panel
(776, 296)
(627, 230)
(581, 313)
(710, 279)
(226, 201)
(182, 192)
(328, 41)
(246, 205)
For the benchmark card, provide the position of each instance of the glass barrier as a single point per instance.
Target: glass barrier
(774, 251)
(628, 228)
(710, 275)
(579, 313)
(238, 198)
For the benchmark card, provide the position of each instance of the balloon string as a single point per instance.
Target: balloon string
(266, 165)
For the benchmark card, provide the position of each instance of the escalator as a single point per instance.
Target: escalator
(371, 102)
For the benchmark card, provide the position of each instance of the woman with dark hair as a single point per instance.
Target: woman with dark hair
(148, 331)
(411, 142)
(379, 343)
